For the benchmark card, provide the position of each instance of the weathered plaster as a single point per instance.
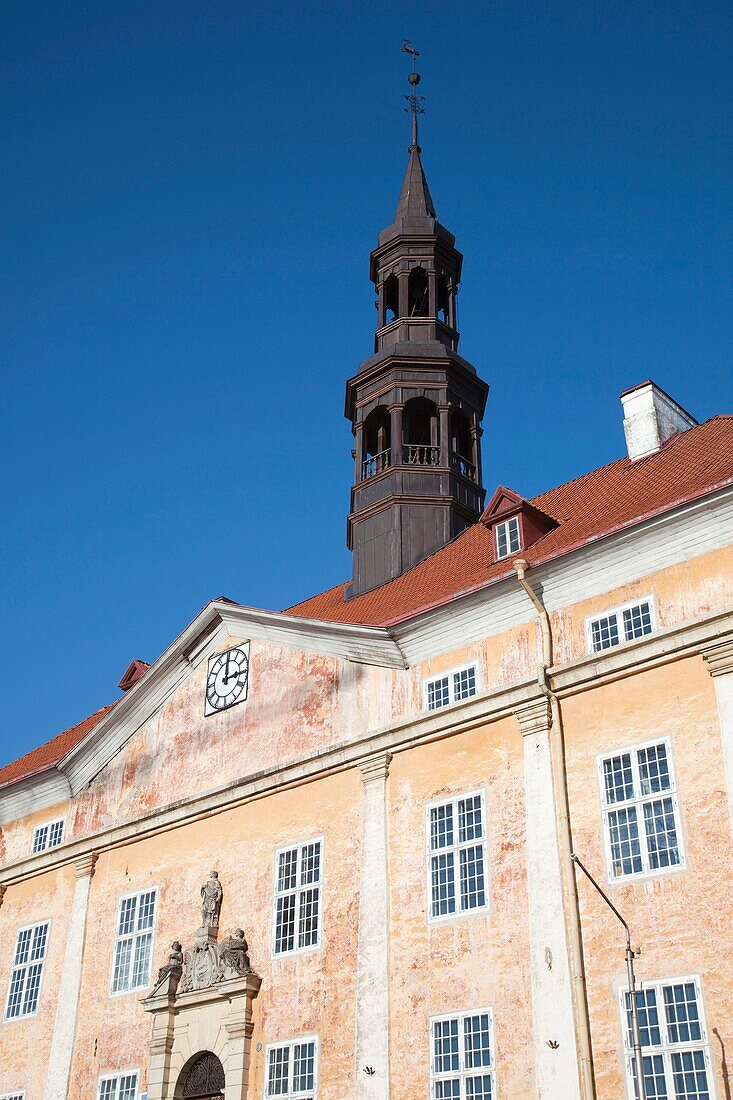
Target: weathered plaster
(681, 920)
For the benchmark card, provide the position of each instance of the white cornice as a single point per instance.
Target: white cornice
(629, 659)
(594, 568)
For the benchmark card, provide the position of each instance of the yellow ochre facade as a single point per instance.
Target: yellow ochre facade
(186, 793)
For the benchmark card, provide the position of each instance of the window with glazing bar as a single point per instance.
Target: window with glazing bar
(640, 811)
(454, 686)
(26, 971)
(134, 942)
(298, 897)
(508, 538)
(48, 836)
(462, 1056)
(292, 1070)
(674, 1046)
(456, 836)
(622, 624)
(118, 1086)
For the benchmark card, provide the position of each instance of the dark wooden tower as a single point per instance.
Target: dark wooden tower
(415, 405)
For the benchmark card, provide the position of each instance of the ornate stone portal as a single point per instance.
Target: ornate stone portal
(201, 1003)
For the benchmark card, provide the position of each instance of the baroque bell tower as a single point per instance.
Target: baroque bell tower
(415, 405)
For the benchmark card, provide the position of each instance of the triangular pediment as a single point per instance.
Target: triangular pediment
(504, 502)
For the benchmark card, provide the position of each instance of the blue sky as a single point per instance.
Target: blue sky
(189, 196)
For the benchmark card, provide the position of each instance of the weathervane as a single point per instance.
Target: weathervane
(414, 100)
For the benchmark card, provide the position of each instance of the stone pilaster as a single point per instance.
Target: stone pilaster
(160, 1048)
(372, 979)
(555, 1048)
(239, 1028)
(719, 661)
(62, 1044)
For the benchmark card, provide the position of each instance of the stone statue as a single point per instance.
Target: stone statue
(211, 895)
(175, 962)
(233, 956)
(171, 972)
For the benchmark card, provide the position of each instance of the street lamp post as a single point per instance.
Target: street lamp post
(630, 956)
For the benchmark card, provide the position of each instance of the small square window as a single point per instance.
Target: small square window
(621, 624)
(451, 688)
(508, 540)
(49, 835)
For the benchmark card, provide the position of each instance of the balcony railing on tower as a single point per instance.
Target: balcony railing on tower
(374, 465)
(463, 466)
(420, 454)
(416, 454)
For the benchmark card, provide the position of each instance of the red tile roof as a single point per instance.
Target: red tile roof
(38, 760)
(615, 496)
(689, 465)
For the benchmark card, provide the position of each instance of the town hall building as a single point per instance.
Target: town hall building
(328, 852)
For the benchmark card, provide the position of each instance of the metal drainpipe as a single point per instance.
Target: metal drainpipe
(567, 867)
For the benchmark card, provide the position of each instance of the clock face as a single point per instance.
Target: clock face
(227, 679)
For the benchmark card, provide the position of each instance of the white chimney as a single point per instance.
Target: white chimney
(651, 417)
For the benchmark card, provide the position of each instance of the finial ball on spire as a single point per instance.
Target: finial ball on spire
(414, 79)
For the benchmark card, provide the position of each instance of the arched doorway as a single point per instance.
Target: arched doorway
(201, 1079)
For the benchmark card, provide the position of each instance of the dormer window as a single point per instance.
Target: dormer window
(516, 523)
(508, 539)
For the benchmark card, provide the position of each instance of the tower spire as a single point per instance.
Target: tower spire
(413, 99)
(415, 405)
(415, 200)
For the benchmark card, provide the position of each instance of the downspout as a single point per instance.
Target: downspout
(567, 867)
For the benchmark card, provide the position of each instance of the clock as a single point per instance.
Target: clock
(227, 679)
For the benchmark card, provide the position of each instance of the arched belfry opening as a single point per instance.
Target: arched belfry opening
(201, 1079)
(415, 405)
(418, 292)
(377, 450)
(420, 431)
(391, 300)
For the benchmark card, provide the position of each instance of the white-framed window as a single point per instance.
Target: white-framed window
(49, 835)
(292, 1069)
(24, 987)
(674, 1043)
(451, 687)
(118, 1086)
(462, 1061)
(297, 911)
(641, 819)
(456, 847)
(134, 941)
(12, 1096)
(508, 537)
(620, 624)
